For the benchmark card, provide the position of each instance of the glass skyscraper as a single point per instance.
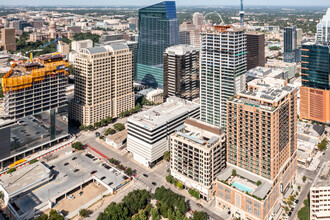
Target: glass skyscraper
(292, 44)
(158, 29)
(315, 71)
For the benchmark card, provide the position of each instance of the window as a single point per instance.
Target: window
(227, 190)
(256, 205)
(220, 194)
(249, 208)
(227, 198)
(257, 212)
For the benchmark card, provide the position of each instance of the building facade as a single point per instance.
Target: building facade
(77, 45)
(8, 40)
(255, 46)
(158, 29)
(323, 28)
(181, 72)
(222, 70)
(33, 87)
(315, 78)
(198, 154)
(148, 132)
(292, 44)
(103, 83)
(261, 148)
(320, 194)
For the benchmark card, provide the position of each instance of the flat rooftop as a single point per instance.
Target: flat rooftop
(24, 177)
(161, 114)
(199, 132)
(246, 178)
(268, 89)
(180, 49)
(323, 177)
(69, 173)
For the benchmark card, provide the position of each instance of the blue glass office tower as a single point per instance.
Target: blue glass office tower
(158, 29)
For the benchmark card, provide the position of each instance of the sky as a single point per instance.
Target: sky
(178, 2)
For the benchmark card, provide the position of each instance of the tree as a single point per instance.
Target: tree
(303, 213)
(154, 214)
(322, 145)
(169, 178)
(43, 217)
(97, 124)
(287, 209)
(55, 215)
(258, 183)
(119, 126)
(78, 145)
(33, 161)
(304, 178)
(233, 172)
(104, 122)
(1, 195)
(299, 188)
(109, 120)
(167, 156)
(83, 213)
(306, 202)
(90, 127)
(199, 216)
(11, 170)
(109, 131)
(71, 69)
(82, 127)
(129, 171)
(194, 193)
(179, 185)
(296, 75)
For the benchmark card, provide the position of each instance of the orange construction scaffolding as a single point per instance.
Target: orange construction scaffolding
(21, 82)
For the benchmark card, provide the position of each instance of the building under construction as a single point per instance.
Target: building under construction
(34, 86)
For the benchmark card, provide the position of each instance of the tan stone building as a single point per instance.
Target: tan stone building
(261, 148)
(103, 83)
(8, 40)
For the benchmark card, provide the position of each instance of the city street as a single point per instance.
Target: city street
(156, 174)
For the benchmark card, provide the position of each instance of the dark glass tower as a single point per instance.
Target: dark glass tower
(315, 66)
(158, 29)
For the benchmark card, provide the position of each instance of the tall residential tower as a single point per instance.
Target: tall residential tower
(158, 29)
(222, 70)
(103, 83)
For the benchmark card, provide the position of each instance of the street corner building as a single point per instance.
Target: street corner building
(261, 149)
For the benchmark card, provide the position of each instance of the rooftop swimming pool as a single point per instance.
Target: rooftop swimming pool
(241, 187)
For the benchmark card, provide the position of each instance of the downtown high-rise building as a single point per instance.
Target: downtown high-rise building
(315, 79)
(255, 46)
(261, 149)
(103, 83)
(222, 70)
(292, 44)
(34, 86)
(181, 72)
(8, 40)
(158, 29)
(323, 28)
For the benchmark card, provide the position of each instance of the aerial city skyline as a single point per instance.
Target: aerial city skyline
(165, 111)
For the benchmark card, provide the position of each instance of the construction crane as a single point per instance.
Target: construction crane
(241, 15)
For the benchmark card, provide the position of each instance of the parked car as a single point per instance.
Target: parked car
(199, 205)
(65, 164)
(80, 193)
(74, 158)
(145, 175)
(290, 213)
(153, 183)
(94, 171)
(296, 201)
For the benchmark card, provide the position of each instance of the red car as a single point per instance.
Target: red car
(94, 171)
